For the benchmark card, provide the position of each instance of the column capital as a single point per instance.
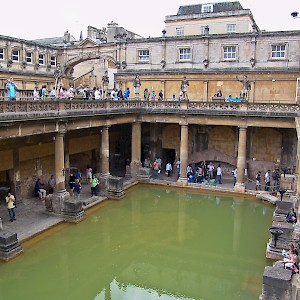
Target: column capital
(61, 127)
(183, 123)
(244, 127)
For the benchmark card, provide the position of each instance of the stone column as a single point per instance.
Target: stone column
(59, 162)
(205, 91)
(15, 175)
(184, 145)
(135, 148)
(297, 227)
(241, 160)
(105, 151)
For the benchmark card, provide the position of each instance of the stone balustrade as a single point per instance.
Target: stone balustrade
(22, 110)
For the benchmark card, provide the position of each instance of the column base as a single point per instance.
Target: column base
(54, 202)
(115, 188)
(182, 181)
(72, 211)
(135, 168)
(239, 188)
(9, 245)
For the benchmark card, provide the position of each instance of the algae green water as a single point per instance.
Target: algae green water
(156, 243)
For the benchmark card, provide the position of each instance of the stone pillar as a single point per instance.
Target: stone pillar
(297, 227)
(241, 160)
(16, 178)
(205, 91)
(135, 149)
(184, 145)
(60, 162)
(105, 150)
(67, 159)
(252, 92)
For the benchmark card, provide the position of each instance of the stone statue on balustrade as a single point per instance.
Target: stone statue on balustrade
(105, 83)
(245, 91)
(184, 87)
(137, 84)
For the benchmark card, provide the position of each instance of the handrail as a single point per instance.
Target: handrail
(22, 110)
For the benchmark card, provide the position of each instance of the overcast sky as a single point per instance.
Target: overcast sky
(33, 19)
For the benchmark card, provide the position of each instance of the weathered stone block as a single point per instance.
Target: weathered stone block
(277, 284)
(54, 202)
(9, 245)
(115, 187)
(287, 182)
(72, 211)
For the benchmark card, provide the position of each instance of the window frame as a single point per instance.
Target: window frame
(15, 55)
(284, 57)
(143, 58)
(202, 29)
(2, 53)
(235, 58)
(230, 27)
(53, 61)
(27, 57)
(179, 31)
(181, 55)
(207, 8)
(41, 59)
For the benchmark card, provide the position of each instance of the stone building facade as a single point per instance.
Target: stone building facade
(258, 133)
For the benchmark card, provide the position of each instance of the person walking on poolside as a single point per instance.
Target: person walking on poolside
(267, 180)
(210, 168)
(10, 200)
(178, 167)
(168, 168)
(77, 189)
(94, 184)
(219, 174)
(258, 180)
(155, 169)
(234, 176)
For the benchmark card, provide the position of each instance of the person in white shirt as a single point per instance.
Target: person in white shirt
(234, 176)
(168, 168)
(53, 94)
(210, 172)
(97, 94)
(219, 174)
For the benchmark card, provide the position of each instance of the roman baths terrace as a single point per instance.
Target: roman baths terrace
(227, 95)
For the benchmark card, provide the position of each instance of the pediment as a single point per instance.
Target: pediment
(87, 43)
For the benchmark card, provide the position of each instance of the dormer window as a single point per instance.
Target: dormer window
(207, 8)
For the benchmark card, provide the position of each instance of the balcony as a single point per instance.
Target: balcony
(50, 109)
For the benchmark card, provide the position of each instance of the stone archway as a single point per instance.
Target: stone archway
(88, 70)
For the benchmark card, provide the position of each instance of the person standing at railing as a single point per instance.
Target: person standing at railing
(36, 94)
(11, 89)
(44, 92)
(53, 94)
(127, 94)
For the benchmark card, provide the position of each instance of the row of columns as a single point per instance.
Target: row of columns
(241, 159)
(60, 157)
(136, 154)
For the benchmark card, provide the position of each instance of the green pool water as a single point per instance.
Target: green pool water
(156, 243)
